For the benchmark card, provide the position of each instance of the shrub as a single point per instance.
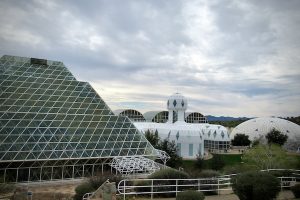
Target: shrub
(241, 140)
(83, 188)
(199, 162)
(98, 180)
(171, 149)
(94, 183)
(169, 173)
(281, 173)
(6, 188)
(254, 185)
(235, 169)
(209, 173)
(140, 184)
(217, 162)
(296, 190)
(276, 137)
(190, 195)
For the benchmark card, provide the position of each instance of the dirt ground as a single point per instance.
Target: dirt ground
(55, 190)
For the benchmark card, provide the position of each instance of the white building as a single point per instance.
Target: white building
(258, 128)
(191, 138)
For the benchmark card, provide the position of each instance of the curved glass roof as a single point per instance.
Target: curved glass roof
(132, 114)
(156, 116)
(195, 117)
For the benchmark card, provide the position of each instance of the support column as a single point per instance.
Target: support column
(17, 175)
(4, 177)
(28, 174)
(170, 119)
(41, 174)
(83, 172)
(62, 173)
(51, 173)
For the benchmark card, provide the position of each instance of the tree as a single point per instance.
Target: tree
(168, 146)
(153, 138)
(255, 185)
(171, 149)
(217, 162)
(276, 137)
(199, 161)
(268, 157)
(241, 140)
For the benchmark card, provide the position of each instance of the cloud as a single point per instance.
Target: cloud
(228, 58)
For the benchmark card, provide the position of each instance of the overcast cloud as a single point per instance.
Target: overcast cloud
(236, 58)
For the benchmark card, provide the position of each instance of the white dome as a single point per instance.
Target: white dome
(258, 128)
(177, 102)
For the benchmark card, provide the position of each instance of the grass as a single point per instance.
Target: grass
(233, 164)
(229, 159)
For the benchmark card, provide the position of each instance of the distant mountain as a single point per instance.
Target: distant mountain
(211, 118)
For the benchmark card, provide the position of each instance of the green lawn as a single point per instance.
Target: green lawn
(231, 159)
(232, 163)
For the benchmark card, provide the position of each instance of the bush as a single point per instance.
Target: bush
(281, 173)
(169, 173)
(217, 162)
(235, 169)
(82, 189)
(209, 173)
(94, 183)
(296, 190)
(241, 140)
(6, 188)
(199, 162)
(142, 186)
(276, 137)
(255, 185)
(190, 195)
(98, 180)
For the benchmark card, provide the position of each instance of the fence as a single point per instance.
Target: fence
(168, 186)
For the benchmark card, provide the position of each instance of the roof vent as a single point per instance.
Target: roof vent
(38, 61)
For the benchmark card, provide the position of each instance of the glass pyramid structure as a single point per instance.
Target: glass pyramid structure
(53, 126)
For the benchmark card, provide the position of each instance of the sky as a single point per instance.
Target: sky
(228, 58)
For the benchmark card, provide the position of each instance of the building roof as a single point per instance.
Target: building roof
(47, 114)
(258, 128)
(151, 114)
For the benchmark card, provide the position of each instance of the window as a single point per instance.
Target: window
(179, 149)
(191, 149)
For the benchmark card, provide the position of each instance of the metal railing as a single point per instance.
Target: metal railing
(167, 186)
(164, 186)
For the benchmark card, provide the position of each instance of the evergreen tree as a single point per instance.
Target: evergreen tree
(241, 140)
(276, 137)
(171, 149)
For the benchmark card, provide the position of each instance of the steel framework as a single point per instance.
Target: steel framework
(53, 126)
(134, 165)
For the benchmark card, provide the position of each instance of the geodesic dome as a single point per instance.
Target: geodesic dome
(258, 128)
